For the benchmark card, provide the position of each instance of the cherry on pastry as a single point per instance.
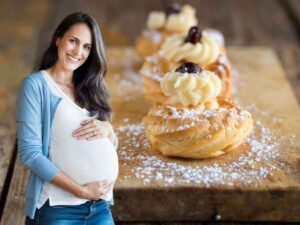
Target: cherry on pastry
(189, 67)
(173, 9)
(194, 35)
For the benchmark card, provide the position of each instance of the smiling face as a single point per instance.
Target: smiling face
(74, 47)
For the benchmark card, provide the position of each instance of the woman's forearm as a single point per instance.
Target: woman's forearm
(65, 182)
(92, 190)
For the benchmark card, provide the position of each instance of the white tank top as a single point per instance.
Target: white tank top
(84, 161)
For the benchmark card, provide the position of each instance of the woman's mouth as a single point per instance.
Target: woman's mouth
(73, 59)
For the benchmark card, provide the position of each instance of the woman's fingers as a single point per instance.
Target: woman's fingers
(87, 132)
(90, 134)
(98, 136)
(107, 187)
(86, 121)
(92, 129)
(100, 192)
(85, 136)
(103, 188)
(95, 190)
(99, 189)
(90, 124)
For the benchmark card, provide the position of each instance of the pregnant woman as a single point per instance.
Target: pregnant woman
(64, 134)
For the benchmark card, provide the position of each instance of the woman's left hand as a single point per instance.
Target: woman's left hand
(93, 129)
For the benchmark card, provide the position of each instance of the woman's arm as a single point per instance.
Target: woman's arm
(29, 131)
(29, 134)
(91, 191)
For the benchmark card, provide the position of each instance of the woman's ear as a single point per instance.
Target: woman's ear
(57, 42)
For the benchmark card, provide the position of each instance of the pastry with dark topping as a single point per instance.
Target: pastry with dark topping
(176, 19)
(196, 47)
(193, 121)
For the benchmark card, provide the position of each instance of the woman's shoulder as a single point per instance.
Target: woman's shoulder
(34, 79)
(33, 82)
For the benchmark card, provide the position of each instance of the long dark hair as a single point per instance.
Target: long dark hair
(90, 89)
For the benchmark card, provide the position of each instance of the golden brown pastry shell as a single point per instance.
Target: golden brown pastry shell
(204, 135)
(150, 40)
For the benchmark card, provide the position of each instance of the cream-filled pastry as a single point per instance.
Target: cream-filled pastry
(197, 47)
(190, 86)
(176, 19)
(193, 122)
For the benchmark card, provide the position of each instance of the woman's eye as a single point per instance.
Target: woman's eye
(87, 47)
(72, 41)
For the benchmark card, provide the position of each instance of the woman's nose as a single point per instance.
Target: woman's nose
(78, 50)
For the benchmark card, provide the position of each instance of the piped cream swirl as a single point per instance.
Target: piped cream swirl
(191, 88)
(179, 22)
(156, 20)
(203, 53)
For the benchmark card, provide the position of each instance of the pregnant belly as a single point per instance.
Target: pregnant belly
(86, 161)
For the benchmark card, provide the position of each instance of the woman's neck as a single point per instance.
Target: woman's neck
(60, 76)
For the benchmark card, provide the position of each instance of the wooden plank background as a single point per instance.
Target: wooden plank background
(26, 27)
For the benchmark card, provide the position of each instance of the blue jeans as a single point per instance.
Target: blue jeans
(89, 213)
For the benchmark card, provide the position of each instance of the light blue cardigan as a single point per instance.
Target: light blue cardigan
(36, 107)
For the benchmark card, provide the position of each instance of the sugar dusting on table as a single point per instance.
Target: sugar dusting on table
(130, 81)
(155, 167)
(250, 168)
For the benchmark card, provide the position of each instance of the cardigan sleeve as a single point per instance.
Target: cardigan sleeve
(29, 131)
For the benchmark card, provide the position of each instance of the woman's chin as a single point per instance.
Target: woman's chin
(71, 67)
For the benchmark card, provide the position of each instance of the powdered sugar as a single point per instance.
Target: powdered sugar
(248, 169)
(152, 34)
(151, 74)
(251, 165)
(197, 116)
(124, 58)
(129, 84)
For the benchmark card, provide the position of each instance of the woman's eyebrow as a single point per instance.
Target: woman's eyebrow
(79, 40)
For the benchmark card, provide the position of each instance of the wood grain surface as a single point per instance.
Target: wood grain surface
(272, 195)
(149, 178)
(18, 33)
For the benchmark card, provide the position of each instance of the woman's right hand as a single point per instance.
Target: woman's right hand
(96, 190)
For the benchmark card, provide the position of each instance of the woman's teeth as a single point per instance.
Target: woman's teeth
(74, 59)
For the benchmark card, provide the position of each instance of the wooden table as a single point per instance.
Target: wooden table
(244, 23)
(240, 185)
